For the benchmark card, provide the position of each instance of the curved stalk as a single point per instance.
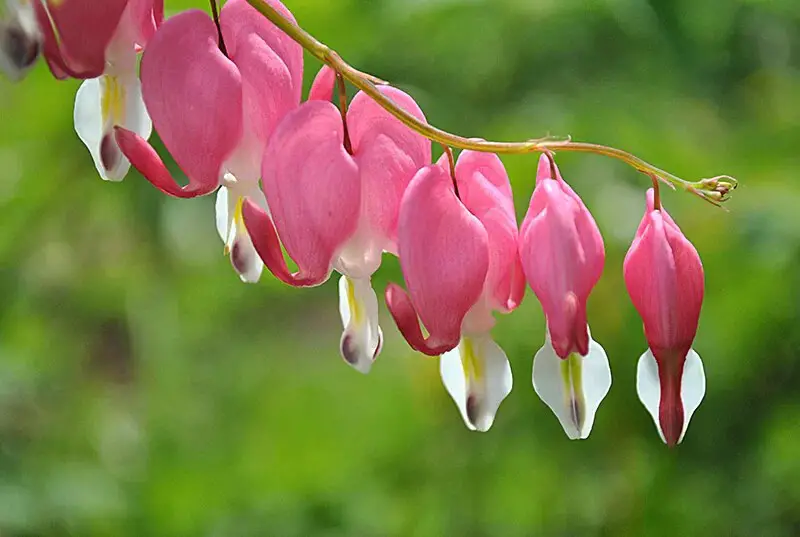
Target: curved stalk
(714, 190)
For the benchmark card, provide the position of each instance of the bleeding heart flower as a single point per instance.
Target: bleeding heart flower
(216, 113)
(664, 277)
(99, 42)
(20, 38)
(563, 256)
(460, 264)
(335, 210)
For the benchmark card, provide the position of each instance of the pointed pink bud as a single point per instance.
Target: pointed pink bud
(444, 256)
(664, 277)
(313, 189)
(562, 254)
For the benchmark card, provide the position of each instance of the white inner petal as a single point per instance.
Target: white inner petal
(361, 255)
(362, 338)
(230, 226)
(693, 387)
(102, 104)
(478, 377)
(224, 214)
(574, 387)
(89, 119)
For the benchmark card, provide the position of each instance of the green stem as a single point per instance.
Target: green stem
(714, 190)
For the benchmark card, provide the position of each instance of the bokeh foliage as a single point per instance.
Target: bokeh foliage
(145, 391)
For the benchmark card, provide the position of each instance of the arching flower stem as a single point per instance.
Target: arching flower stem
(715, 190)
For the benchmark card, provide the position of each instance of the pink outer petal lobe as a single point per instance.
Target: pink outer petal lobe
(312, 187)
(193, 94)
(388, 155)
(444, 256)
(563, 256)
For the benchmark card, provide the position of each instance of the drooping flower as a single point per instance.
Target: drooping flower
(460, 264)
(664, 277)
(562, 253)
(336, 210)
(20, 38)
(216, 113)
(99, 42)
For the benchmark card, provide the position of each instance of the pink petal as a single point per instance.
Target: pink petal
(85, 28)
(444, 256)
(562, 255)
(158, 12)
(194, 96)
(322, 87)
(483, 183)
(266, 242)
(388, 154)
(485, 190)
(145, 159)
(239, 21)
(664, 277)
(268, 90)
(407, 320)
(144, 18)
(312, 187)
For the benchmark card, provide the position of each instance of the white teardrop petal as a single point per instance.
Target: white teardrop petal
(129, 112)
(362, 338)
(596, 377)
(574, 387)
(648, 387)
(478, 377)
(455, 382)
(244, 258)
(89, 120)
(100, 105)
(693, 387)
(136, 117)
(224, 214)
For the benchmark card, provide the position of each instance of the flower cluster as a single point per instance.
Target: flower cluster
(335, 187)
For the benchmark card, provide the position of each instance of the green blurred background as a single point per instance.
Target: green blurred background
(145, 391)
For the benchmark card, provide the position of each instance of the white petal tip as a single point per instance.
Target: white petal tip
(244, 258)
(572, 388)
(478, 377)
(102, 104)
(355, 355)
(362, 339)
(681, 408)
